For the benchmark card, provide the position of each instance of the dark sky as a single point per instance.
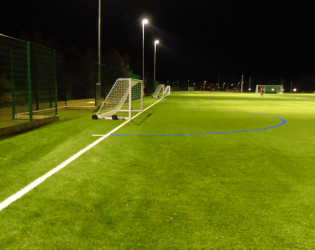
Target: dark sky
(199, 39)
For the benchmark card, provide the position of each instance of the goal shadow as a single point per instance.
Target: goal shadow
(143, 117)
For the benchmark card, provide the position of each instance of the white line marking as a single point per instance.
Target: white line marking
(41, 179)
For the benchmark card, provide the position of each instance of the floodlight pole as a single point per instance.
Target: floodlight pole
(99, 40)
(155, 43)
(242, 83)
(99, 51)
(144, 22)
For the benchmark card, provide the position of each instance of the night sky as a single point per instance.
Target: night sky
(199, 39)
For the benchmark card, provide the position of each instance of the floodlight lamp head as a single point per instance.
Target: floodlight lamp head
(145, 21)
(156, 42)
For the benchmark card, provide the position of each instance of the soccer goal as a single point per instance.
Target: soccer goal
(159, 92)
(276, 89)
(124, 99)
(167, 90)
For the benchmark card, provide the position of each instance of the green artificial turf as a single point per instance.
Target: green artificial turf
(244, 190)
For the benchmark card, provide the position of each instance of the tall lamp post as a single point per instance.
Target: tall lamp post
(144, 22)
(156, 42)
(242, 83)
(98, 84)
(99, 40)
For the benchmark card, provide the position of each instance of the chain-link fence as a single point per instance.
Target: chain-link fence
(28, 87)
(32, 84)
(80, 81)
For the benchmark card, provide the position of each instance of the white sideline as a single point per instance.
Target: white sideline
(41, 179)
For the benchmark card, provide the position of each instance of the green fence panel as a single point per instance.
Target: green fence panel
(28, 88)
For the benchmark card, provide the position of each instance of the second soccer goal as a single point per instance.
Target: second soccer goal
(161, 91)
(124, 99)
(275, 89)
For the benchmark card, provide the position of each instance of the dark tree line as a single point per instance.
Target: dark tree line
(110, 56)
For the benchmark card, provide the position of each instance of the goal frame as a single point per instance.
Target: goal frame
(159, 91)
(275, 89)
(126, 97)
(167, 90)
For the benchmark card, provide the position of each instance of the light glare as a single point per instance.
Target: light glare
(145, 21)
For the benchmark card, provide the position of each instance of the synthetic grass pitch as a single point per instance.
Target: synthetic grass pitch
(199, 188)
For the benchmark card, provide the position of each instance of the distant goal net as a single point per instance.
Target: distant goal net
(275, 89)
(124, 99)
(167, 90)
(161, 91)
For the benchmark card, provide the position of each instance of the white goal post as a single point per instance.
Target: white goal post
(124, 99)
(277, 89)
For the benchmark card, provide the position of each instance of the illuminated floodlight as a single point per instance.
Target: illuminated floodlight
(156, 42)
(273, 89)
(249, 89)
(145, 21)
(294, 90)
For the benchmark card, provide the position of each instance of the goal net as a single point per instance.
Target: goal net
(276, 89)
(167, 90)
(124, 99)
(159, 92)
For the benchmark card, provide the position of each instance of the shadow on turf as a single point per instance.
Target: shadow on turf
(142, 118)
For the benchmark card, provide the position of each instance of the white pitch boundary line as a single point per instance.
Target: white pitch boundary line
(41, 179)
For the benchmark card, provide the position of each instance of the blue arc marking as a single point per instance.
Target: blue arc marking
(283, 121)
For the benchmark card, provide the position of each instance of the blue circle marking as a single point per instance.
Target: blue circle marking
(283, 121)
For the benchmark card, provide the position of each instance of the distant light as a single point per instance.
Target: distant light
(273, 89)
(156, 42)
(294, 90)
(249, 89)
(145, 21)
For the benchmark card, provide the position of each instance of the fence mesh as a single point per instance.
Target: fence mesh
(80, 81)
(28, 87)
(33, 84)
